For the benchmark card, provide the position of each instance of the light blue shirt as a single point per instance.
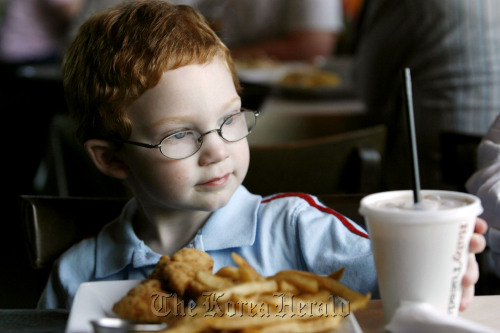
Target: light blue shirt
(285, 231)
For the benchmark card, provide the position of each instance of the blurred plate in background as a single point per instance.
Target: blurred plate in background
(330, 79)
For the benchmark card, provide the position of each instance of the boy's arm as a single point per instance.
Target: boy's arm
(75, 266)
(329, 241)
(53, 296)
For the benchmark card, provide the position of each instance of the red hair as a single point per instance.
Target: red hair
(121, 52)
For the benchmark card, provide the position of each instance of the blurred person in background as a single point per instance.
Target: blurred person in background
(31, 33)
(278, 29)
(485, 183)
(88, 8)
(451, 48)
(34, 31)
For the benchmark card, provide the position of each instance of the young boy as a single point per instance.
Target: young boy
(155, 99)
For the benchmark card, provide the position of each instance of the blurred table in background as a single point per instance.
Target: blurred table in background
(285, 119)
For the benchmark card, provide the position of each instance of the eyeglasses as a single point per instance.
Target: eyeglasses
(184, 144)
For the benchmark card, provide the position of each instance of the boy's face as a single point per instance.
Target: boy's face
(194, 97)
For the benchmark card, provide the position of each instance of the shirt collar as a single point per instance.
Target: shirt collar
(233, 225)
(118, 245)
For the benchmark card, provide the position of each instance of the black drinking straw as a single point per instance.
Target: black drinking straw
(413, 141)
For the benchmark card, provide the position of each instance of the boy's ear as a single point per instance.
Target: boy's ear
(104, 156)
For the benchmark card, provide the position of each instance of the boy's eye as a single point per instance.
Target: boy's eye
(179, 135)
(231, 118)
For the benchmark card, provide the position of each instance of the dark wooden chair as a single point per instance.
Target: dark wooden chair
(52, 224)
(66, 169)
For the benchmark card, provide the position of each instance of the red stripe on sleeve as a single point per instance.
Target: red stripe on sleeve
(327, 210)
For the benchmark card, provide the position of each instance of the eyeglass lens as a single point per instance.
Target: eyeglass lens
(184, 144)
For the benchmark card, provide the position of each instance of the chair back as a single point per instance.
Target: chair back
(343, 163)
(66, 169)
(52, 224)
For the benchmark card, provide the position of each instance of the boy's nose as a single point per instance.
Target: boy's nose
(214, 149)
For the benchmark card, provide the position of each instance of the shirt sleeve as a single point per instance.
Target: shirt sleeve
(319, 15)
(330, 241)
(54, 295)
(485, 183)
(72, 268)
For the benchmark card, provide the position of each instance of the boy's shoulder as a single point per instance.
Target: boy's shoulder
(84, 252)
(292, 207)
(81, 251)
(77, 262)
(294, 196)
(295, 201)
(307, 210)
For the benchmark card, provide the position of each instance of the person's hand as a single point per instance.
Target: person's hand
(477, 245)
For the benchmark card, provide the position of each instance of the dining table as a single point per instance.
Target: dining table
(483, 311)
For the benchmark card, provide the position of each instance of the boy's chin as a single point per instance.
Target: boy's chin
(214, 201)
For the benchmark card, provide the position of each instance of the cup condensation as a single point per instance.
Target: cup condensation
(420, 255)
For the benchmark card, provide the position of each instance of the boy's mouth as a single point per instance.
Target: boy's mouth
(217, 181)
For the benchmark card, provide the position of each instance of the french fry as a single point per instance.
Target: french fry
(249, 272)
(285, 286)
(248, 288)
(356, 299)
(213, 282)
(321, 296)
(303, 282)
(238, 323)
(312, 325)
(337, 275)
(229, 272)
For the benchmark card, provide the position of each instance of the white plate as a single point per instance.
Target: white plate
(94, 300)
(267, 75)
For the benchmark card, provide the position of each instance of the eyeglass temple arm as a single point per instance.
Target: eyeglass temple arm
(135, 143)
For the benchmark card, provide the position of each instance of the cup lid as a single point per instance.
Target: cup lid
(368, 208)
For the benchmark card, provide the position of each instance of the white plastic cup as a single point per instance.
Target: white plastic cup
(420, 255)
